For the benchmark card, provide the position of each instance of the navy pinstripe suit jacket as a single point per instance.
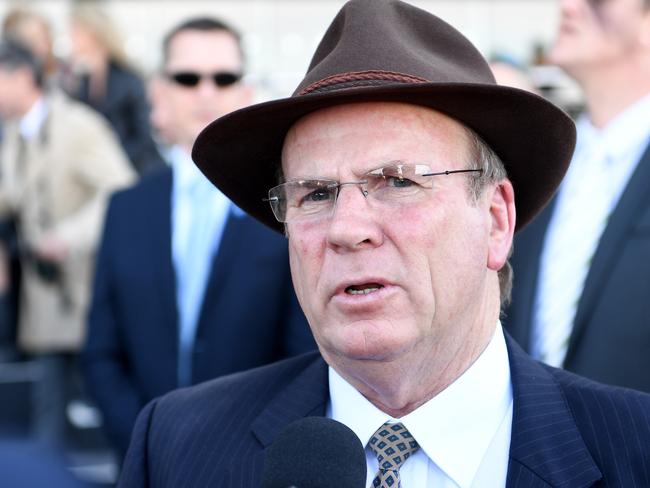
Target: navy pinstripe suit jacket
(567, 431)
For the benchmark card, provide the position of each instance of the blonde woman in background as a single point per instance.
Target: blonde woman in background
(105, 81)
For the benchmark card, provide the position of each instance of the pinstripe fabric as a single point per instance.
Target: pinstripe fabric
(567, 431)
(571, 432)
(179, 439)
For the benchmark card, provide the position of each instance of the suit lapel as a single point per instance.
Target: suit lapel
(161, 244)
(223, 262)
(634, 201)
(546, 448)
(543, 425)
(305, 396)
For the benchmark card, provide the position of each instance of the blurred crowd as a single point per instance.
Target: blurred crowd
(124, 274)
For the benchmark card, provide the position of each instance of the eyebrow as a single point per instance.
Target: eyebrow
(359, 173)
(392, 162)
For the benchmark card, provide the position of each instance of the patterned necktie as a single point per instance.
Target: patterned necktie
(392, 444)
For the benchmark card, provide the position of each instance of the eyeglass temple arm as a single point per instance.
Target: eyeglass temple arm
(452, 171)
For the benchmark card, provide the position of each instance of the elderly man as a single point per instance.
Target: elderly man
(400, 160)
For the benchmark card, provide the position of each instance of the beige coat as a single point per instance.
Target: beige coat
(60, 187)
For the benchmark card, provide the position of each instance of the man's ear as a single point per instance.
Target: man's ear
(503, 218)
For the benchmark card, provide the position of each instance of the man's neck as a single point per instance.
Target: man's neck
(608, 92)
(400, 386)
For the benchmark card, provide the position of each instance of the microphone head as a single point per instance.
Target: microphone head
(315, 452)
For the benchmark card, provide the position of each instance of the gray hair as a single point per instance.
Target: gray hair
(493, 170)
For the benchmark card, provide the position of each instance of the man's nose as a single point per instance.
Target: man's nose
(207, 86)
(353, 224)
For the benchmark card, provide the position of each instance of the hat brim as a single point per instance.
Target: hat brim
(240, 152)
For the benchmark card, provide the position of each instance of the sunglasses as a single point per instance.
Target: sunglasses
(190, 79)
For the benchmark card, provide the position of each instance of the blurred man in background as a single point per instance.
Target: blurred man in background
(33, 30)
(582, 268)
(59, 161)
(184, 291)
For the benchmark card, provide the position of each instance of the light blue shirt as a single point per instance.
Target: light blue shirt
(199, 214)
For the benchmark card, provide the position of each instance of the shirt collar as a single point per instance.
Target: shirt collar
(186, 174)
(624, 134)
(32, 121)
(456, 427)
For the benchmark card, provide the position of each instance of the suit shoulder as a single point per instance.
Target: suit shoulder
(243, 394)
(614, 421)
(578, 388)
(77, 115)
(156, 181)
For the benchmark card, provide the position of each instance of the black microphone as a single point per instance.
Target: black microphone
(315, 452)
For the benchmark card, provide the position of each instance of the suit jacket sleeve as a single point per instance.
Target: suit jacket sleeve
(106, 365)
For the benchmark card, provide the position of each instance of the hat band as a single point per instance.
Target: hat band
(360, 78)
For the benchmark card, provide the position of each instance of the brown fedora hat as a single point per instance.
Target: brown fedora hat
(387, 50)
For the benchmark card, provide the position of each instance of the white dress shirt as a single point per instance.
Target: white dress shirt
(193, 247)
(464, 431)
(601, 167)
(31, 123)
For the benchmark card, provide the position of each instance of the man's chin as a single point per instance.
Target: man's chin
(367, 351)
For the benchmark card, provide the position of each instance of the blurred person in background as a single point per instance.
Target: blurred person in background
(179, 264)
(582, 268)
(32, 30)
(58, 162)
(508, 72)
(107, 83)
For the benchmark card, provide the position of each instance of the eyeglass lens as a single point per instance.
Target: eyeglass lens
(393, 184)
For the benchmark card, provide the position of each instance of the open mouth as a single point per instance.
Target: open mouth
(364, 289)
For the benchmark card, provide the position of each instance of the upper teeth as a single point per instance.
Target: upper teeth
(361, 291)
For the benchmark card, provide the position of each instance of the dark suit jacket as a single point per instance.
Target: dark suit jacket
(250, 315)
(567, 431)
(611, 335)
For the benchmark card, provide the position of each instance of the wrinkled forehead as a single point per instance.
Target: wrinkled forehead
(374, 131)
